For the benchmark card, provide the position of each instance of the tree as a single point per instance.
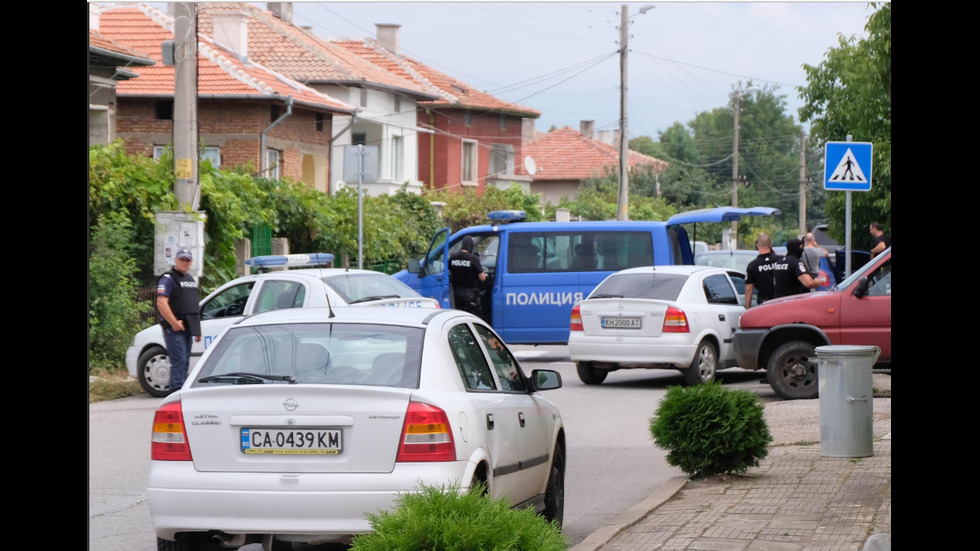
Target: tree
(849, 93)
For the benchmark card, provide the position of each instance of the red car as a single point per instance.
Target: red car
(780, 335)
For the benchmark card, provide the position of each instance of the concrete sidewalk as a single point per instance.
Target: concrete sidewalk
(797, 499)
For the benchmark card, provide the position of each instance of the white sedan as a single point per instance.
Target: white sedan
(673, 317)
(297, 423)
(146, 358)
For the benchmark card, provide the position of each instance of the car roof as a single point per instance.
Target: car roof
(342, 314)
(320, 272)
(686, 269)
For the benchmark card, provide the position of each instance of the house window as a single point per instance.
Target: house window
(397, 151)
(164, 110)
(363, 97)
(501, 160)
(358, 138)
(275, 113)
(212, 154)
(319, 122)
(503, 122)
(468, 118)
(469, 161)
(398, 104)
(273, 158)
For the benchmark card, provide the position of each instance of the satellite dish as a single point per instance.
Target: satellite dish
(530, 166)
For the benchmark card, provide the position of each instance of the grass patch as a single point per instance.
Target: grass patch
(110, 384)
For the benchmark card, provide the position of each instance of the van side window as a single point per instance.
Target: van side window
(584, 251)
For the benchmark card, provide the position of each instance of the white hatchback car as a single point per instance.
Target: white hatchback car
(146, 358)
(297, 423)
(674, 317)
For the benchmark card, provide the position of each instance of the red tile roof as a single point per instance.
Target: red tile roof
(96, 40)
(451, 92)
(565, 154)
(298, 53)
(220, 72)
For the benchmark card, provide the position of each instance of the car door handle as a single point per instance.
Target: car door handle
(520, 416)
(489, 421)
(721, 317)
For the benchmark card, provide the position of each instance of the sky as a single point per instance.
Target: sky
(562, 58)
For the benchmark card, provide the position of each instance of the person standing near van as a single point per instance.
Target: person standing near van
(180, 315)
(759, 271)
(466, 274)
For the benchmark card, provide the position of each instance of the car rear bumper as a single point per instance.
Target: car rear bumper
(311, 507)
(667, 350)
(747, 344)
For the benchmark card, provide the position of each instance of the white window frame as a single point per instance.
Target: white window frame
(397, 157)
(469, 159)
(273, 161)
(507, 151)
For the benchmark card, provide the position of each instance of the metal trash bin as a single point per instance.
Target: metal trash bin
(845, 379)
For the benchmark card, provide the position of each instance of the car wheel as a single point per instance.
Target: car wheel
(589, 374)
(792, 371)
(705, 365)
(554, 495)
(153, 371)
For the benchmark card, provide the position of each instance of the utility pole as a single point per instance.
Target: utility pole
(187, 188)
(183, 228)
(737, 96)
(802, 182)
(622, 205)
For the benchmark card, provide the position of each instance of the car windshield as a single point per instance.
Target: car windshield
(650, 285)
(863, 270)
(354, 288)
(316, 353)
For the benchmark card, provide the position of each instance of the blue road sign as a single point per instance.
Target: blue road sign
(847, 166)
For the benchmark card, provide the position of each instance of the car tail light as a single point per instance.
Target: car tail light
(427, 435)
(675, 321)
(576, 319)
(169, 439)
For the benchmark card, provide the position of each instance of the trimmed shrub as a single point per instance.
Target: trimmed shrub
(707, 429)
(435, 518)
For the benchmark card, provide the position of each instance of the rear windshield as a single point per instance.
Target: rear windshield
(316, 353)
(646, 285)
(354, 288)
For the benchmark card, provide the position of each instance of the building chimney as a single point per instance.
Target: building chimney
(282, 10)
(388, 36)
(605, 136)
(231, 30)
(587, 128)
(527, 130)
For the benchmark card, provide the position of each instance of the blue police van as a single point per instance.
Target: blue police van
(536, 271)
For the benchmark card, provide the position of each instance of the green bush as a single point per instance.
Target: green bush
(114, 313)
(707, 429)
(449, 519)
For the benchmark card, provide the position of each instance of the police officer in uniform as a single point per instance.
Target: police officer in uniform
(758, 274)
(466, 274)
(790, 274)
(180, 316)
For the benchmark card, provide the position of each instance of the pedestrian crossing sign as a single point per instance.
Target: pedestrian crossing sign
(847, 166)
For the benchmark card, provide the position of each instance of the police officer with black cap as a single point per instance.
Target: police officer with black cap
(180, 316)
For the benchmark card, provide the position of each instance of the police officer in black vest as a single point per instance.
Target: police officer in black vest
(466, 274)
(180, 316)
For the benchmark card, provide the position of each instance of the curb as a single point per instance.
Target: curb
(605, 533)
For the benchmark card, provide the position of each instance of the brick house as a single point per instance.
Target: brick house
(475, 139)
(385, 101)
(564, 157)
(108, 63)
(247, 113)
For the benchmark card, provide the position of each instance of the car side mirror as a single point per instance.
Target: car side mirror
(861, 289)
(414, 266)
(545, 379)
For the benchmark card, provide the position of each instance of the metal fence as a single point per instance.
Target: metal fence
(147, 294)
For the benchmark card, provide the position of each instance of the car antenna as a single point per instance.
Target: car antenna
(326, 294)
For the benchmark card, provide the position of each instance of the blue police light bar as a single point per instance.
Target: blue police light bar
(504, 216)
(290, 260)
